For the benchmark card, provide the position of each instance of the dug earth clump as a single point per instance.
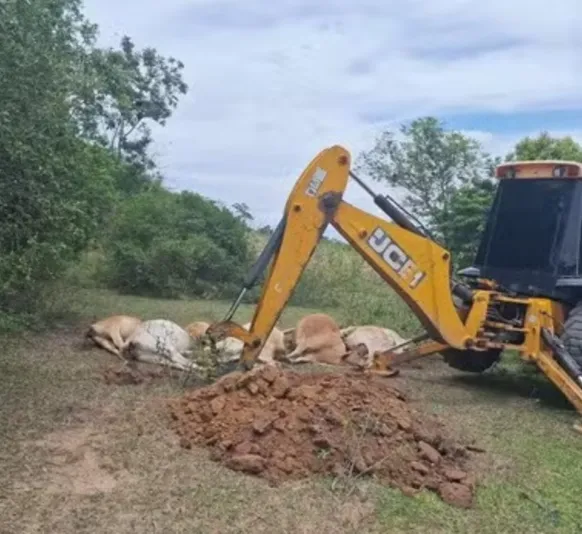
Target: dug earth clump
(283, 425)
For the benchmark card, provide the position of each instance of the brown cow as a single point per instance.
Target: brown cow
(318, 339)
(197, 329)
(112, 332)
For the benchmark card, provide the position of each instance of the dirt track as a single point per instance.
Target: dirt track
(285, 425)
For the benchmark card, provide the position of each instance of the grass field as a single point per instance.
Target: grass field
(77, 455)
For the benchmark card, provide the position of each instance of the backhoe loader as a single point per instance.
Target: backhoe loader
(523, 293)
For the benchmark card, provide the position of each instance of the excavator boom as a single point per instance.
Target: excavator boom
(416, 267)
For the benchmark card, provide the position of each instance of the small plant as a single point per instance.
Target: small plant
(355, 430)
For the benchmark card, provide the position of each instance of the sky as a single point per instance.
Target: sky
(273, 83)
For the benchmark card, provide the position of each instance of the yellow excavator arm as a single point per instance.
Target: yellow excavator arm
(414, 265)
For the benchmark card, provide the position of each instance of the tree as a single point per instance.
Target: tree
(126, 90)
(466, 223)
(74, 133)
(430, 165)
(174, 244)
(265, 230)
(546, 147)
(243, 212)
(55, 189)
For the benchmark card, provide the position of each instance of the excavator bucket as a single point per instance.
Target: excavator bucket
(385, 362)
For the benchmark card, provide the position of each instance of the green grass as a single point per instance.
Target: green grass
(532, 473)
(61, 424)
(94, 304)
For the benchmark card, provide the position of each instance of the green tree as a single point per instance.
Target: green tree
(265, 230)
(430, 164)
(55, 189)
(74, 137)
(466, 223)
(171, 245)
(128, 89)
(243, 212)
(545, 146)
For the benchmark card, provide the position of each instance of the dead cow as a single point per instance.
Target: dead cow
(161, 342)
(363, 341)
(318, 339)
(112, 332)
(231, 348)
(197, 329)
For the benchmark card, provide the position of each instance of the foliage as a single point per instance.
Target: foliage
(124, 91)
(129, 88)
(243, 212)
(266, 230)
(467, 218)
(545, 146)
(429, 164)
(445, 177)
(55, 188)
(172, 245)
(66, 155)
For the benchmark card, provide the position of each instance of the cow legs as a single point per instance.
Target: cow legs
(104, 343)
(301, 356)
(179, 360)
(345, 332)
(172, 358)
(117, 340)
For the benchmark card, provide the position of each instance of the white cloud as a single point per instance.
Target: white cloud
(272, 83)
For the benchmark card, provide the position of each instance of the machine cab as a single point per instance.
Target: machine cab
(532, 242)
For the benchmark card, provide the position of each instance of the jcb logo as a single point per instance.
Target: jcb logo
(395, 257)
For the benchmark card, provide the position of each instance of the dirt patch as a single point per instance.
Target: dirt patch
(130, 375)
(75, 466)
(285, 425)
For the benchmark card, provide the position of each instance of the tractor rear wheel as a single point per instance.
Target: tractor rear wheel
(572, 334)
(471, 361)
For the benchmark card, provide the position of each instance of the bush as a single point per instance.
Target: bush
(55, 188)
(174, 245)
(49, 214)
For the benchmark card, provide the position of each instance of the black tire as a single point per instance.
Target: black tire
(471, 361)
(572, 334)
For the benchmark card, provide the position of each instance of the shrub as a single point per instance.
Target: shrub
(174, 245)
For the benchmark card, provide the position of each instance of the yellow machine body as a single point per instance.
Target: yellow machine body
(417, 268)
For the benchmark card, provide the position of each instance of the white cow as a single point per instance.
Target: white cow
(161, 342)
(369, 339)
(231, 348)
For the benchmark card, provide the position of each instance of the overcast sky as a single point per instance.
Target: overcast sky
(274, 82)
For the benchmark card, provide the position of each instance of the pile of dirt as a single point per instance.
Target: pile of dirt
(285, 425)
